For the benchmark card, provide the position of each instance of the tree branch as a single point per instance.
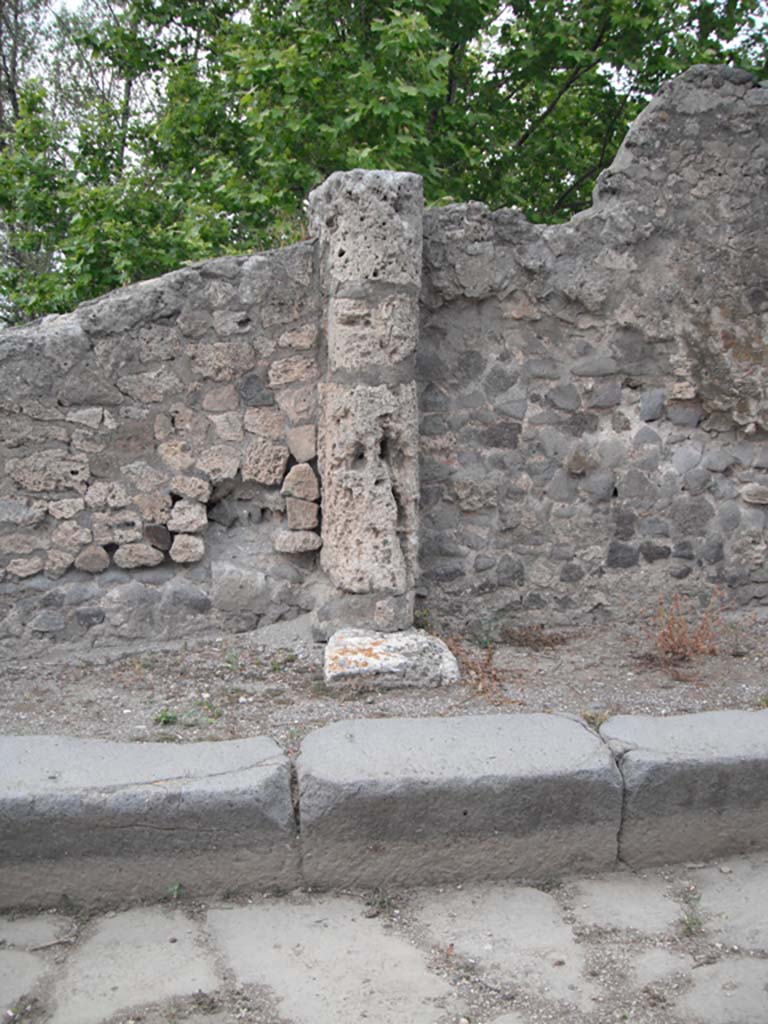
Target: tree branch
(570, 81)
(599, 164)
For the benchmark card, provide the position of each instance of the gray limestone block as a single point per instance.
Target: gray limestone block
(439, 799)
(696, 786)
(128, 820)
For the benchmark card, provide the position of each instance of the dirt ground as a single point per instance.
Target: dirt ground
(270, 682)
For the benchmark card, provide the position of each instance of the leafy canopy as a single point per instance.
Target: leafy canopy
(136, 135)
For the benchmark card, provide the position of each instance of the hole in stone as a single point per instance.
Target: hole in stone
(615, 492)
(384, 449)
(400, 523)
(358, 455)
(342, 252)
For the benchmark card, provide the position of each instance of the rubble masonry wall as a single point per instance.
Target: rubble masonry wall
(241, 441)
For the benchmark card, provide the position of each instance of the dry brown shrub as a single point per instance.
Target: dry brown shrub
(679, 633)
(534, 638)
(478, 671)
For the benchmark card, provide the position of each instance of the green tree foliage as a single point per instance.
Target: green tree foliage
(141, 134)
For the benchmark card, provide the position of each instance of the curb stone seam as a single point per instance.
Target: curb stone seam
(618, 758)
(616, 747)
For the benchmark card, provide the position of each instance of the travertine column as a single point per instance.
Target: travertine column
(370, 228)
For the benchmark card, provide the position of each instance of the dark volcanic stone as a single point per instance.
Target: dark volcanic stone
(621, 556)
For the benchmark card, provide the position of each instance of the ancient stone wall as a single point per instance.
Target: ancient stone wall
(594, 400)
(153, 442)
(239, 441)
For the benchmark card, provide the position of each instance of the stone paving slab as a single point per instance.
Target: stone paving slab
(735, 902)
(139, 956)
(486, 954)
(625, 901)
(515, 932)
(656, 966)
(327, 963)
(696, 786)
(730, 992)
(129, 820)
(421, 800)
(20, 972)
(27, 932)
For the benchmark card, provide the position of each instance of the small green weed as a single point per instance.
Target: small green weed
(379, 902)
(691, 923)
(166, 717)
(232, 660)
(293, 738)
(280, 663)
(211, 710)
(421, 619)
(175, 891)
(550, 885)
(485, 634)
(595, 719)
(26, 1009)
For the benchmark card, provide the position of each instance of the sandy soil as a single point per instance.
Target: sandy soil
(270, 682)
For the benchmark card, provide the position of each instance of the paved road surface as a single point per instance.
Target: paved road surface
(685, 945)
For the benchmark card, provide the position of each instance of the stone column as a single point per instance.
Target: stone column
(369, 224)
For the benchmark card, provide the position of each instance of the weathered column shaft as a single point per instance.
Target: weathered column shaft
(370, 228)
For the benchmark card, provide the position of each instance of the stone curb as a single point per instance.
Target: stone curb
(696, 786)
(380, 801)
(453, 799)
(112, 821)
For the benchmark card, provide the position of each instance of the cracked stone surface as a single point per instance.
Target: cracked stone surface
(482, 954)
(105, 817)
